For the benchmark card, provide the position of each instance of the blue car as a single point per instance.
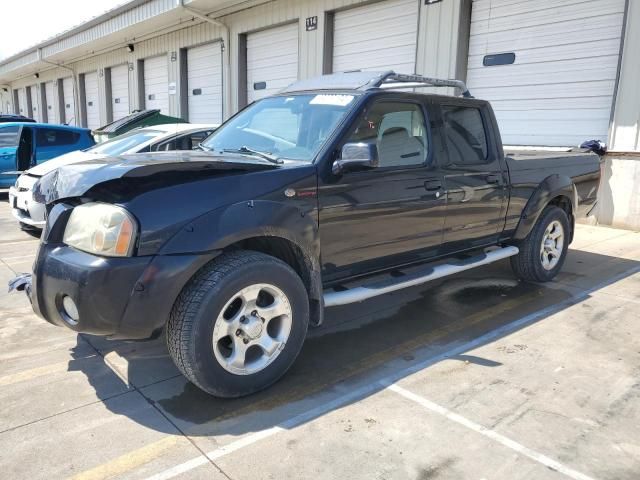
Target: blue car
(25, 145)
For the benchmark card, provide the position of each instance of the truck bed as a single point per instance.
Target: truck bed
(527, 168)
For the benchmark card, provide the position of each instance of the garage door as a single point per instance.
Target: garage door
(120, 91)
(34, 104)
(69, 103)
(92, 101)
(272, 60)
(52, 110)
(22, 102)
(559, 89)
(381, 36)
(156, 83)
(204, 80)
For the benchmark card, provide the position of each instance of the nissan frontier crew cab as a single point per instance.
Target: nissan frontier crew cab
(336, 190)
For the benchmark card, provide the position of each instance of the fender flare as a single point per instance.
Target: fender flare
(220, 228)
(551, 187)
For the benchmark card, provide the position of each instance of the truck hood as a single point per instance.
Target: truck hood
(77, 178)
(62, 160)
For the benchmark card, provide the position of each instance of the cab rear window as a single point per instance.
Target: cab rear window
(465, 135)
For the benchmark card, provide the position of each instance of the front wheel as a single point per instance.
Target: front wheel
(543, 252)
(239, 324)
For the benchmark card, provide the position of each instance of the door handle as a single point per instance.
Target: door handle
(493, 178)
(432, 185)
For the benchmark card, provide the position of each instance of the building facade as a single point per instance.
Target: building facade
(557, 72)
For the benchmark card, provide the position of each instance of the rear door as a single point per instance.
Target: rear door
(376, 218)
(52, 142)
(473, 175)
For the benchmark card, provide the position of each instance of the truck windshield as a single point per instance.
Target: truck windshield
(285, 127)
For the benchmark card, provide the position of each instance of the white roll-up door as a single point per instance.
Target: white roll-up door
(272, 60)
(120, 91)
(22, 102)
(156, 83)
(380, 36)
(35, 106)
(52, 109)
(204, 83)
(92, 101)
(559, 89)
(69, 102)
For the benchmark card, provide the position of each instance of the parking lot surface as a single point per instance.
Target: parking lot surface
(477, 376)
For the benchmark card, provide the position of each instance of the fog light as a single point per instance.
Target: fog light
(70, 310)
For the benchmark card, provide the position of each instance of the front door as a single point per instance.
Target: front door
(372, 219)
(474, 180)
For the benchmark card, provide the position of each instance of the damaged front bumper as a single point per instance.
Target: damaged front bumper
(121, 298)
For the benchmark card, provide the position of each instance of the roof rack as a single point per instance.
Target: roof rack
(391, 79)
(366, 80)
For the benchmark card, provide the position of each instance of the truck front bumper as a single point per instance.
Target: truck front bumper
(100, 289)
(121, 298)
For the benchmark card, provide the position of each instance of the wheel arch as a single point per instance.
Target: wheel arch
(282, 231)
(558, 190)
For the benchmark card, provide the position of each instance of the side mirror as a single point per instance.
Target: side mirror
(356, 156)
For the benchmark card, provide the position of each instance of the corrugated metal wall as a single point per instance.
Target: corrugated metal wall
(438, 43)
(624, 135)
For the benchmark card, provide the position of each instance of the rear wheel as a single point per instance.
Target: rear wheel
(239, 324)
(543, 252)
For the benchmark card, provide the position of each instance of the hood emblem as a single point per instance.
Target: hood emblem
(289, 192)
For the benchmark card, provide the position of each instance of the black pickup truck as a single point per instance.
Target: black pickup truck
(336, 190)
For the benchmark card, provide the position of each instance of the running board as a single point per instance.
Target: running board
(358, 294)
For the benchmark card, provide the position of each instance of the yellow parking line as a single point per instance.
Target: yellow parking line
(129, 461)
(32, 373)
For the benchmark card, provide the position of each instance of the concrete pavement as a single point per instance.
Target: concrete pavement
(476, 376)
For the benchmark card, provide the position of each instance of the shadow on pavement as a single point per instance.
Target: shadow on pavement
(357, 345)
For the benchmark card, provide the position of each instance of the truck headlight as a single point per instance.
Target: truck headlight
(101, 229)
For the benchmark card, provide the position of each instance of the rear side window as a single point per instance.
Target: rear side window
(50, 137)
(465, 134)
(9, 136)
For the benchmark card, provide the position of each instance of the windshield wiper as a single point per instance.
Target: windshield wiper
(244, 150)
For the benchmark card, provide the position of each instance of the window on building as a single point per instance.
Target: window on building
(465, 135)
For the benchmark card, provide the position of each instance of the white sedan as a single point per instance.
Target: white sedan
(181, 136)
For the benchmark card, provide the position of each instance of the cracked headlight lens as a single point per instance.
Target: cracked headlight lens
(101, 229)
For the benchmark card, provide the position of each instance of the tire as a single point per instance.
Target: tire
(529, 264)
(214, 322)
